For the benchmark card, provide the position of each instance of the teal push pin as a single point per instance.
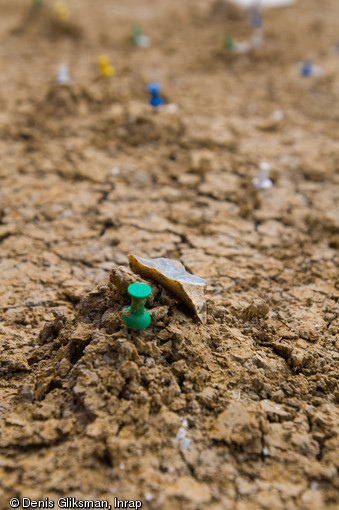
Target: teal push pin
(136, 316)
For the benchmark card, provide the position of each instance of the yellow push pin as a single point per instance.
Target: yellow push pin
(105, 67)
(61, 11)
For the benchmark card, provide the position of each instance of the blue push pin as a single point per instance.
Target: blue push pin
(256, 19)
(155, 99)
(306, 69)
(256, 23)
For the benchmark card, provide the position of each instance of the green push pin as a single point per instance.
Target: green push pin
(136, 316)
(229, 43)
(136, 34)
(37, 3)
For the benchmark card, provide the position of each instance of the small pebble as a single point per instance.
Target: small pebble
(171, 108)
(148, 497)
(277, 115)
(115, 170)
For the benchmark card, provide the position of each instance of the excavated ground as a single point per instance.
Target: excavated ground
(241, 412)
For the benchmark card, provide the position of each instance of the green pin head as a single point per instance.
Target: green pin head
(136, 316)
(38, 3)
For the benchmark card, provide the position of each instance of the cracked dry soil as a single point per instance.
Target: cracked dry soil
(241, 412)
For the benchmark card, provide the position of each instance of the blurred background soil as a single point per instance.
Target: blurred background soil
(240, 412)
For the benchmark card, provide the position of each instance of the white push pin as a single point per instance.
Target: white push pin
(63, 76)
(242, 47)
(144, 41)
(171, 108)
(263, 181)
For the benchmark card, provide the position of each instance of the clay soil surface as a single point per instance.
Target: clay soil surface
(235, 414)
